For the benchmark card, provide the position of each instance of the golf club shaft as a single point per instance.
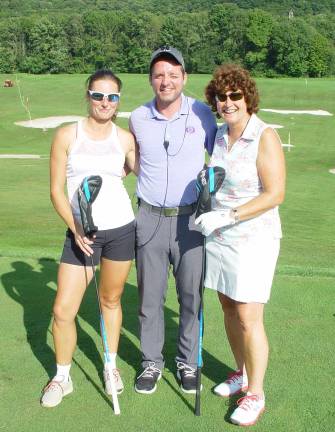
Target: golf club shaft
(103, 334)
(199, 367)
(201, 330)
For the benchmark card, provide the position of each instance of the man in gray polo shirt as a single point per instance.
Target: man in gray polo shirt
(172, 132)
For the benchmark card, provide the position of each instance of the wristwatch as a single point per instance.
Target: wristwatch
(234, 215)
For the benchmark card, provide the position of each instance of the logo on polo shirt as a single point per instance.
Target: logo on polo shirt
(190, 129)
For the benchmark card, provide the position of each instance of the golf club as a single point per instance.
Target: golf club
(209, 181)
(201, 332)
(105, 347)
(87, 193)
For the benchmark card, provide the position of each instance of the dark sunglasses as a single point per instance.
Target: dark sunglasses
(234, 96)
(98, 96)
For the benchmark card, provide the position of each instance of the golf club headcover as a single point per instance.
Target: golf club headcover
(87, 193)
(209, 181)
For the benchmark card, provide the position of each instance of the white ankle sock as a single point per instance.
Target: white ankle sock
(112, 357)
(63, 373)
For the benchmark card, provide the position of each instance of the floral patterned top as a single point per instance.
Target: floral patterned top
(242, 184)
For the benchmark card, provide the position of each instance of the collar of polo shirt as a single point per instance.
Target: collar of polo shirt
(184, 109)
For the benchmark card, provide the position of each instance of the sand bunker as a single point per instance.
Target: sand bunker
(315, 112)
(124, 114)
(53, 122)
(332, 171)
(19, 156)
(48, 122)
(274, 126)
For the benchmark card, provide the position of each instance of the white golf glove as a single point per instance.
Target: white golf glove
(215, 219)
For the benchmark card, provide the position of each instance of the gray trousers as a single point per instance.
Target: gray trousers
(160, 242)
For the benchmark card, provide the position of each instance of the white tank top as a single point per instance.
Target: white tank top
(112, 207)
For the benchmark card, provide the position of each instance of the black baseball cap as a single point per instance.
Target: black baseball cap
(168, 51)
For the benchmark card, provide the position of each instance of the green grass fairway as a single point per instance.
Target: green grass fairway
(300, 317)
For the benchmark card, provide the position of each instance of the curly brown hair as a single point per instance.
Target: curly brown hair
(232, 77)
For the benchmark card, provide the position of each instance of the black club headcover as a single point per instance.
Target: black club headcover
(209, 181)
(87, 193)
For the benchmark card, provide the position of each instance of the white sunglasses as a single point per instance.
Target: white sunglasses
(99, 96)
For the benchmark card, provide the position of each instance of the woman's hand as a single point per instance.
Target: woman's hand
(82, 241)
(214, 219)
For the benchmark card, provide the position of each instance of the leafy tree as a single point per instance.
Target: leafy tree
(74, 29)
(81, 35)
(46, 48)
(289, 48)
(171, 33)
(11, 49)
(137, 40)
(257, 35)
(300, 7)
(196, 42)
(319, 55)
(228, 24)
(138, 60)
(325, 25)
(298, 49)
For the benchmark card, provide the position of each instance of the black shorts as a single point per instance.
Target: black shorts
(117, 244)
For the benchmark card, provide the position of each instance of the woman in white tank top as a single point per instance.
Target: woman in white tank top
(94, 146)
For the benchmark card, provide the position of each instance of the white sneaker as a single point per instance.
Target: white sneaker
(249, 409)
(236, 383)
(54, 392)
(117, 380)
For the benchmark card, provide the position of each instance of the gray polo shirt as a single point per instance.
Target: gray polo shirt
(172, 151)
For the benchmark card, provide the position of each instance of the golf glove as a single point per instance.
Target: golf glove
(215, 219)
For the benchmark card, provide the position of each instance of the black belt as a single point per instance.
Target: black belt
(169, 211)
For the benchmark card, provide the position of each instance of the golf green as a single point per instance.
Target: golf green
(299, 317)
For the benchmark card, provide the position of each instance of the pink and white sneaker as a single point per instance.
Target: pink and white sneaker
(236, 383)
(248, 411)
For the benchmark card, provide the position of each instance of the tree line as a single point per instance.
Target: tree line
(299, 7)
(266, 43)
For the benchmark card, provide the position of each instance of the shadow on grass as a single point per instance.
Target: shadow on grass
(179, 393)
(32, 290)
(231, 404)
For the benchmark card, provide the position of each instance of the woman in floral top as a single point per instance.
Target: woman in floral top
(243, 231)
